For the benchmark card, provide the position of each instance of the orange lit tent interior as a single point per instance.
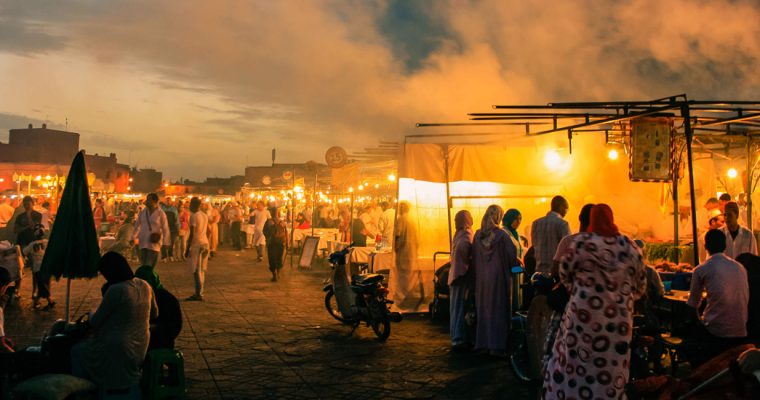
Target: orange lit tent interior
(523, 156)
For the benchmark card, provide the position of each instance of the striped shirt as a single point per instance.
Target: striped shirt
(546, 233)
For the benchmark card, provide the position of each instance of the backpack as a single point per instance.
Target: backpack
(279, 234)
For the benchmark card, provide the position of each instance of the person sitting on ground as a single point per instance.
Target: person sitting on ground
(725, 316)
(166, 327)
(738, 238)
(751, 263)
(35, 252)
(113, 355)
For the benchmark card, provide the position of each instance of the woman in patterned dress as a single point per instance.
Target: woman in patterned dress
(604, 273)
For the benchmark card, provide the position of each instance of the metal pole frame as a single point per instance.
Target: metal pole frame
(445, 149)
(676, 217)
(686, 114)
(748, 191)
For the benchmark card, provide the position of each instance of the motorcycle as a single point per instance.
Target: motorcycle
(522, 349)
(362, 299)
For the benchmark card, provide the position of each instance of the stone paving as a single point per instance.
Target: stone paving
(252, 338)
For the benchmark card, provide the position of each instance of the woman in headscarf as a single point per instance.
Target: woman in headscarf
(276, 233)
(113, 355)
(511, 221)
(604, 273)
(165, 328)
(405, 246)
(460, 278)
(493, 256)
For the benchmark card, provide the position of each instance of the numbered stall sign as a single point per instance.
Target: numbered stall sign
(651, 150)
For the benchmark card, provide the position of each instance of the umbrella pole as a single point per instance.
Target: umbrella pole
(68, 297)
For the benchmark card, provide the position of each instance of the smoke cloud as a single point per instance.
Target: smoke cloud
(219, 82)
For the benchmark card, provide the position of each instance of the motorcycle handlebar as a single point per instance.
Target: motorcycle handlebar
(339, 257)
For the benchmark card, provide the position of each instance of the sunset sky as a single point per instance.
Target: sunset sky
(200, 88)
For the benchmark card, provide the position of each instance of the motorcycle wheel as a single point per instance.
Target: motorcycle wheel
(518, 354)
(382, 325)
(332, 307)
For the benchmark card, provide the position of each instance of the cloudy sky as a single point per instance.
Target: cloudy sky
(200, 88)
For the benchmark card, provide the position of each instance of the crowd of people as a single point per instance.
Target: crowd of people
(602, 281)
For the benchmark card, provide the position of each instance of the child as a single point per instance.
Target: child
(35, 251)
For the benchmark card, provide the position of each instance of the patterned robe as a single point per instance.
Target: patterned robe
(604, 276)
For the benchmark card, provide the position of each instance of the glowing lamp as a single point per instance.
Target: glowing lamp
(552, 159)
(392, 178)
(732, 173)
(350, 190)
(613, 154)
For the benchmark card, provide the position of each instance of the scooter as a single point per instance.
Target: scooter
(362, 299)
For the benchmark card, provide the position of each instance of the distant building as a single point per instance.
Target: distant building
(114, 176)
(40, 145)
(211, 186)
(281, 176)
(146, 180)
(42, 152)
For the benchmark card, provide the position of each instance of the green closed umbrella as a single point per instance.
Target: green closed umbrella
(73, 250)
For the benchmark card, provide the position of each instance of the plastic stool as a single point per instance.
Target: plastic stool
(164, 374)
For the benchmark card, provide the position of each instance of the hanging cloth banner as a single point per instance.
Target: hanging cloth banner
(652, 150)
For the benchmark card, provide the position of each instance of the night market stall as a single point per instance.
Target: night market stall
(626, 154)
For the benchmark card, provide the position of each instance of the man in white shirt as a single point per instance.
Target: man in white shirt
(725, 316)
(385, 224)
(197, 261)
(547, 232)
(739, 239)
(260, 217)
(151, 231)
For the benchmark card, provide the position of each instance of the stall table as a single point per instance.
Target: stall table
(325, 235)
(380, 261)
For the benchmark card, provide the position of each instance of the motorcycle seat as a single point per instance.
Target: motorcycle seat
(367, 279)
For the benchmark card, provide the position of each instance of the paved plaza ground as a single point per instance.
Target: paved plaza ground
(252, 338)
